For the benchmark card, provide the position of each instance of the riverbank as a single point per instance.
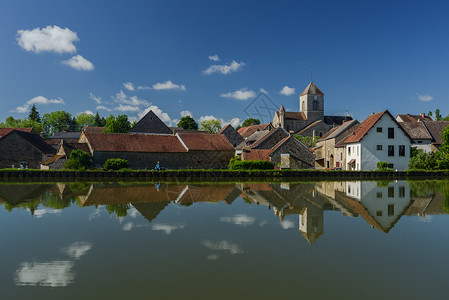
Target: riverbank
(213, 175)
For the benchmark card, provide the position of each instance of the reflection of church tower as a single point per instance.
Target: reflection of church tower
(311, 103)
(311, 221)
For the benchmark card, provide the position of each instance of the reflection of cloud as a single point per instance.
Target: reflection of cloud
(94, 215)
(287, 224)
(425, 219)
(128, 226)
(53, 274)
(263, 223)
(242, 220)
(77, 249)
(224, 246)
(167, 228)
(212, 257)
(39, 213)
(133, 212)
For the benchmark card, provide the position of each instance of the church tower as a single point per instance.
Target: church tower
(311, 103)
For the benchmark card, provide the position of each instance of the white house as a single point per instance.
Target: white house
(378, 138)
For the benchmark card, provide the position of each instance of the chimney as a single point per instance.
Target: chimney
(423, 115)
(291, 132)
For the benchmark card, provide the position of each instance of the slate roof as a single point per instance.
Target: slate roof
(414, 118)
(336, 131)
(134, 142)
(416, 130)
(232, 135)
(5, 131)
(312, 89)
(68, 147)
(37, 141)
(65, 135)
(314, 123)
(336, 120)
(268, 135)
(247, 131)
(151, 123)
(205, 142)
(435, 128)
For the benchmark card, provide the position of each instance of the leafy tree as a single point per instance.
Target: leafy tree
(249, 122)
(307, 140)
(420, 160)
(34, 114)
(430, 113)
(438, 117)
(11, 122)
(119, 124)
(188, 122)
(56, 121)
(236, 163)
(120, 210)
(382, 166)
(99, 122)
(211, 126)
(115, 164)
(85, 119)
(78, 160)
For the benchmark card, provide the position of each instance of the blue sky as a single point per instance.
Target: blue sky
(212, 58)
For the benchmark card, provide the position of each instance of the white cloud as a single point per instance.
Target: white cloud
(50, 38)
(286, 224)
(123, 107)
(168, 85)
(53, 274)
(77, 249)
(242, 94)
(214, 57)
(234, 121)
(162, 115)
(89, 112)
(95, 98)
(425, 98)
(129, 86)
(238, 219)
(102, 107)
(263, 91)
(167, 228)
(287, 91)
(143, 87)
(37, 100)
(39, 213)
(127, 226)
(224, 69)
(223, 246)
(79, 63)
(122, 98)
(207, 118)
(185, 113)
(212, 257)
(263, 223)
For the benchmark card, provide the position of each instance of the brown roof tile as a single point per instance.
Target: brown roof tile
(5, 131)
(416, 130)
(295, 115)
(247, 131)
(414, 118)
(94, 129)
(131, 142)
(256, 154)
(436, 128)
(205, 142)
(312, 89)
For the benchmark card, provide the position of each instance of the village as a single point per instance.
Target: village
(337, 142)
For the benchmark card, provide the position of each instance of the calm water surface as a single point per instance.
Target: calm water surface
(323, 240)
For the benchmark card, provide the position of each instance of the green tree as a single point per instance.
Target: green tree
(34, 114)
(22, 123)
(211, 126)
(119, 124)
(78, 160)
(120, 210)
(188, 122)
(99, 122)
(419, 160)
(56, 121)
(115, 164)
(249, 122)
(307, 140)
(430, 113)
(85, 119)
(438, 116)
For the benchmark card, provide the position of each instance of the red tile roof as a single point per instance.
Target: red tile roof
(256, 154)
(205, 142)
(414, 118)
(247, 131)
(6, 131)
(93, 129)
(131, 142)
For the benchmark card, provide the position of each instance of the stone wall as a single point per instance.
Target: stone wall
(304, 159)
(272, 140)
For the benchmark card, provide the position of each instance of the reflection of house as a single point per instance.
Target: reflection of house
(380, 204)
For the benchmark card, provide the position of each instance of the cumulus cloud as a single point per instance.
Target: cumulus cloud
(126, 103)
(224, 69)
(102, 107)
(129, 86)
(286, 224)
(37, 100)
(77, 249)
(263, 91)
(425, 98)
(167, 228)
(168, 85)
(52, 274)
(186, 113)
(223, 246)
(143, 87)
(50, 38)
(239, 219)
(79, 63)
(234, 121)
(123, 107)
(287, 91)
(214, 57)
(242, 94)
(95, 98)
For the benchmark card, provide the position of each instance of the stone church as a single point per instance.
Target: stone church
(310, 119)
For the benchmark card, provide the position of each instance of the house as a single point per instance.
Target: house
(249, 130)
(413, 118)
(150, 123)
(378, 138)
(69, 136)
(421, 137)
(143, 151)
(329, 153)
(435, 128)
(310, 115)
(22, 149)
(57, 161)
(232, 135)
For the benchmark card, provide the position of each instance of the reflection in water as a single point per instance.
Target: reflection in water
(380, 203)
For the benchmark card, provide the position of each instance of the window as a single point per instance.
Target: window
(349, 150)
(379, 195)
(349, 189)
(401, 150)
(402, 192)
(341, 156)
(419, 142)
(379, 147)
(390, 132)
(391, 209)
(357, 150)
(390, 166)
(379, 129)
(391, 192)
(315, 105)
(390, 150)
(379, 213)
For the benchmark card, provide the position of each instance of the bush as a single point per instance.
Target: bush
(78, 160)
(238, 164)
(420, 160)
(382, 166)
(115, 164)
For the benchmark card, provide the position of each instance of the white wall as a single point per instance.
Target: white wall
(355, 153)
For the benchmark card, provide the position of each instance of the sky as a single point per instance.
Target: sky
(215, 58)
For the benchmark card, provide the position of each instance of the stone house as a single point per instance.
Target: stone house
(22, 149)
(249, 130)
(57, 161)
(378, 138)
(328, 154)
(232, 135)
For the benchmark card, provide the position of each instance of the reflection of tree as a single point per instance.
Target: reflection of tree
(120, 210)
(55, 202)
(422, 188)
(79, 186)
(31, 205)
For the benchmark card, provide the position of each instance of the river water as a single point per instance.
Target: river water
(309, 240)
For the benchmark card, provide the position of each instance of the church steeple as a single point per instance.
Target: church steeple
(311, 103)
(312, 89)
